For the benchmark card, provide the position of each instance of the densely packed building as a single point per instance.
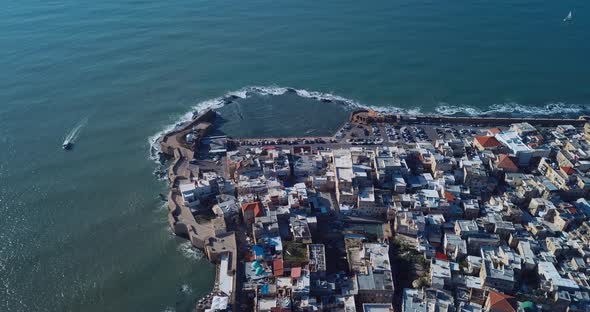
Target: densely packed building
(497, 216)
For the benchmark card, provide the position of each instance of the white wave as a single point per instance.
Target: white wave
(169, 309)
(154, 139)
(445, 109)
(188, 251)
(269, 90)
(303, 93)
(205, 105)
(186, 288)
(549, 109)
(242, 94)
(186, 117)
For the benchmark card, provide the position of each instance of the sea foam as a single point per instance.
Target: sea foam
(558, 109)
(188, 251)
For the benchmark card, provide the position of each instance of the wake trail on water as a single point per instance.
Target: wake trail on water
(504, 109)
(72, 136)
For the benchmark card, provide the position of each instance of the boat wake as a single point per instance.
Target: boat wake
(72, 136)
(504, 109)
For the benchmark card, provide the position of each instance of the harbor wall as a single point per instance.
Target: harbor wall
(496, 120)
(364, 116)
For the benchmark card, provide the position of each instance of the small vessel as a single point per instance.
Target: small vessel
(568, 17)
(67, 145)
(73, 135)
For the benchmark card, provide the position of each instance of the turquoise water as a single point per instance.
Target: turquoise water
(84, 231)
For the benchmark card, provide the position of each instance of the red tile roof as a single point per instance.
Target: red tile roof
(449, 196)
(255, 206)
(441, 256)
(500, 302)
(487, 141)
(277, 267)
(296, 272)
(506, 162)
(495, 130)
(568, 170)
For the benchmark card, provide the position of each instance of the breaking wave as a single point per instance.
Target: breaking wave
(189, 252)
(559, 109)
(186, 289)
(505, 109)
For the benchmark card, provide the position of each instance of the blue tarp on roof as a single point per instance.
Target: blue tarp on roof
(264, 289)
(258, 251)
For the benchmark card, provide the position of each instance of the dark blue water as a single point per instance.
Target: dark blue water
(84, 231)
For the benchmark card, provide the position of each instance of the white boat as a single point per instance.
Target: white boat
(67, 145)
(568, 17)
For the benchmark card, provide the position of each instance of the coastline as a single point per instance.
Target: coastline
(77, 239)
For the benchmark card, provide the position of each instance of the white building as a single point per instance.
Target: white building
(514, 143)
(550, 275)
(188, 194)
(427, 300)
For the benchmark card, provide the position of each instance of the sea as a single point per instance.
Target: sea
(84, 230)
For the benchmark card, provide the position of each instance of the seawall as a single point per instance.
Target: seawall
(175, 139)
(369, 115)
(495, 120)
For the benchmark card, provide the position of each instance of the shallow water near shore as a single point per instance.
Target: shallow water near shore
(84, 230)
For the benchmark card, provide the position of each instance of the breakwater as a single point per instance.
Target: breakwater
(494, 120)
(369, 116)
